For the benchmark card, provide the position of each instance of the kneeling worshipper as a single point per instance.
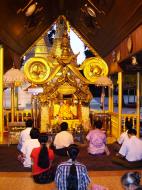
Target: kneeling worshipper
(28, 146)
(72, 175)
(97, 140)
(124, 136)
(62, 140)
(25, 134)
(130, 154)
(42, 157)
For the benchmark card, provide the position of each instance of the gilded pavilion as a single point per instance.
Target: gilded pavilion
(54, 70)
(59, 88)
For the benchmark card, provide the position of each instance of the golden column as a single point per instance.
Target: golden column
(34, 109)
(79, 110)
(12, 103)
(138, 105)
(1, 94)
(110, 100)
(51, 111)
(119, 102)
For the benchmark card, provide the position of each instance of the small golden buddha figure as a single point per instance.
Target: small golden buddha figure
(65, 111)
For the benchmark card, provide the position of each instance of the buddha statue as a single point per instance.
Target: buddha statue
(65, 111)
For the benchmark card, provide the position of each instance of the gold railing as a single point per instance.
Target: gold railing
(20, 116)
(129, 116)
(114, 122)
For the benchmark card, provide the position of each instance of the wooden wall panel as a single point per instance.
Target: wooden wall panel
(122, 47)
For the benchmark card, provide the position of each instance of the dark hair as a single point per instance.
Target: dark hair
(29, 123)
(132, 132)
(34, 133)
(98, 124)
(43, 158)
(64, 126)
(128, 123)
(72, 180)
(131, 178)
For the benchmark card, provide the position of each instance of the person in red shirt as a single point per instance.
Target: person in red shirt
(42, 158)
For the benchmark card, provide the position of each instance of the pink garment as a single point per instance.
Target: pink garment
(98, 187)
(97, 141)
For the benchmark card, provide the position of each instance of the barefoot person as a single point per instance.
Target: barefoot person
(42, 158)
(62, 140)
(97, 140)
(72, 175)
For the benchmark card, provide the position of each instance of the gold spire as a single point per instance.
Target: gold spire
(41, 49)
(61, 48)
(56, 48)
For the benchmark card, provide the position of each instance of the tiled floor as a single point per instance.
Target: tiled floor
(23, 180)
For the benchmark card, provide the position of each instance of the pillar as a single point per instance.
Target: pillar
(79, 110)
(110, 100)
(119, 102)
(1, 95)
(12, 103)
(138, 105)
(103, 98)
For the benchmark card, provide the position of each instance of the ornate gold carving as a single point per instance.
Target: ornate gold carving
(66, 88)
(65, 76)
(94, 67)
(83, 39)
(37, 70)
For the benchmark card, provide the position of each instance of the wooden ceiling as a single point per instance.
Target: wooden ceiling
(114, 20)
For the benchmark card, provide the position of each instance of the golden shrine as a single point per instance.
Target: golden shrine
(66, 94)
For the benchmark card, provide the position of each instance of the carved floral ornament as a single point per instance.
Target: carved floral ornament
(38, 71)
(65, 77)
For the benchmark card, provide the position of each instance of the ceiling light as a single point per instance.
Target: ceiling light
(91, 12)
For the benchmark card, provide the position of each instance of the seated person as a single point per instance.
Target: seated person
(72, 175)
(42, 158)
(117, 145)
(25, 134)
(130, 153)
(97, 140)
(124, 135)
(131, 181)
(28, 146)
(62, 140)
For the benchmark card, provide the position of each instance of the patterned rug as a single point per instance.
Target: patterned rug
(9, 162)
